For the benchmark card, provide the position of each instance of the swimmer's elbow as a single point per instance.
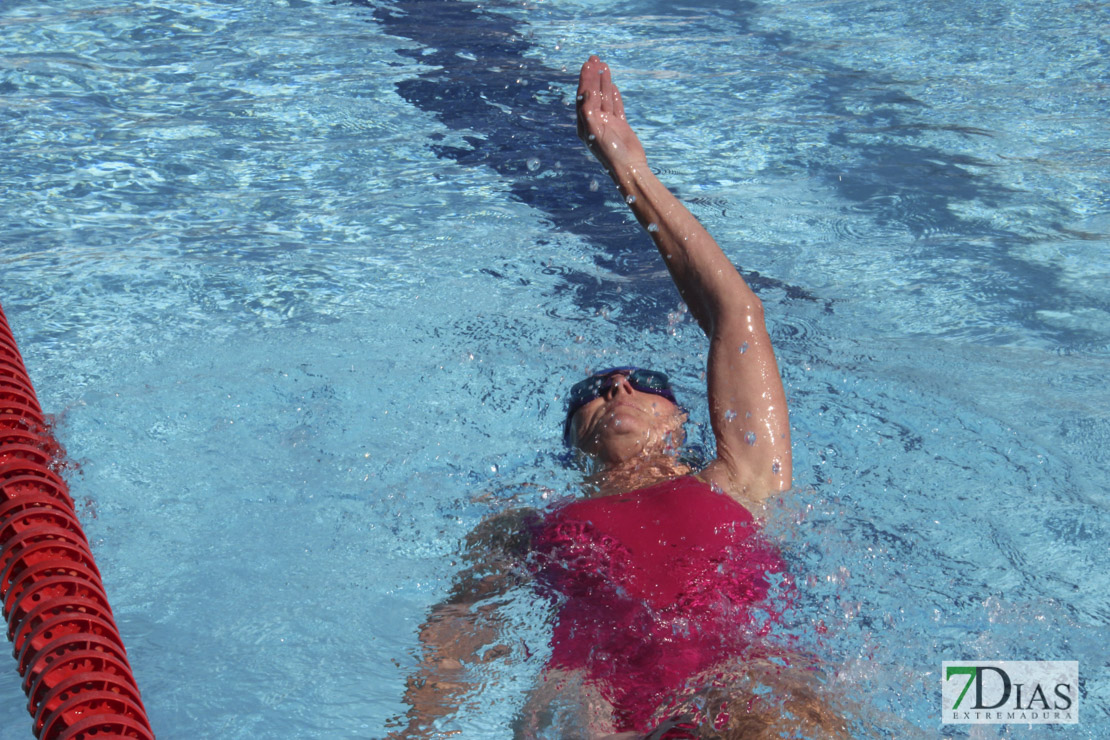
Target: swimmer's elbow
(739, 303)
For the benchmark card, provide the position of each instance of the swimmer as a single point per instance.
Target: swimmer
(654, 572)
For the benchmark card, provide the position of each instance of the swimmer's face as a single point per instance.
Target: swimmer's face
(624, 422)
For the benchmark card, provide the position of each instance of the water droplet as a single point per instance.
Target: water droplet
(630, 199)
(653, 228)
(776, 467)
(743, 348)
(581, 97)
(591, 137)
(730, 415)
(750, 438)
(533, 164)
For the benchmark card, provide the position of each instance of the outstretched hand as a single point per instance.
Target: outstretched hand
(601, 122)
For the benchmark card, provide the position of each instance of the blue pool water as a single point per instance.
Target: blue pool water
(302, 281)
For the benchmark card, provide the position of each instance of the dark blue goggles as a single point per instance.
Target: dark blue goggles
(584, 391)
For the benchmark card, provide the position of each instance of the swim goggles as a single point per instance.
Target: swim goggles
(584, 391)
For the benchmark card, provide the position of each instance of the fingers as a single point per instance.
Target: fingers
(589, 96)
(610, 97)
(596, 91)
(618, 102)
(599, 100)
(588, 78)
(589, 93)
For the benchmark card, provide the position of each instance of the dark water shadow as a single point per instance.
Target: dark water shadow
(512, 113)
(509, 108)
(894, 175)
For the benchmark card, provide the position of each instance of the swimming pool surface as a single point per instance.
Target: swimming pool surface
(303, 281)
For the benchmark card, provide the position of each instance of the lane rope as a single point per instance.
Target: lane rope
(67, 647)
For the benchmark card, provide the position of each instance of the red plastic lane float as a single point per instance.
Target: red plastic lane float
(75, 672)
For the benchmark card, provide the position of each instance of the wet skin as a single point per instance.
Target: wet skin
(632, 435)
(623, 423)
(747, 405)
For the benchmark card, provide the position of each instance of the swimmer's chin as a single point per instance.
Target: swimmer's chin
(622, 446)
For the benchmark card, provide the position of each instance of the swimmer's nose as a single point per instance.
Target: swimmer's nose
(617, 384)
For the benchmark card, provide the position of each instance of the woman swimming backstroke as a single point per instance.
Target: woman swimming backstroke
(747, 405)
(655, 574)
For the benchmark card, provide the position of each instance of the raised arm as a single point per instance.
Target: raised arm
(747, 405)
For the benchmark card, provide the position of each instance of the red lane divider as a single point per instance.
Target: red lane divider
(65, 641)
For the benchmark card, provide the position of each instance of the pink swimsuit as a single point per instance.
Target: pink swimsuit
(657, 586)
